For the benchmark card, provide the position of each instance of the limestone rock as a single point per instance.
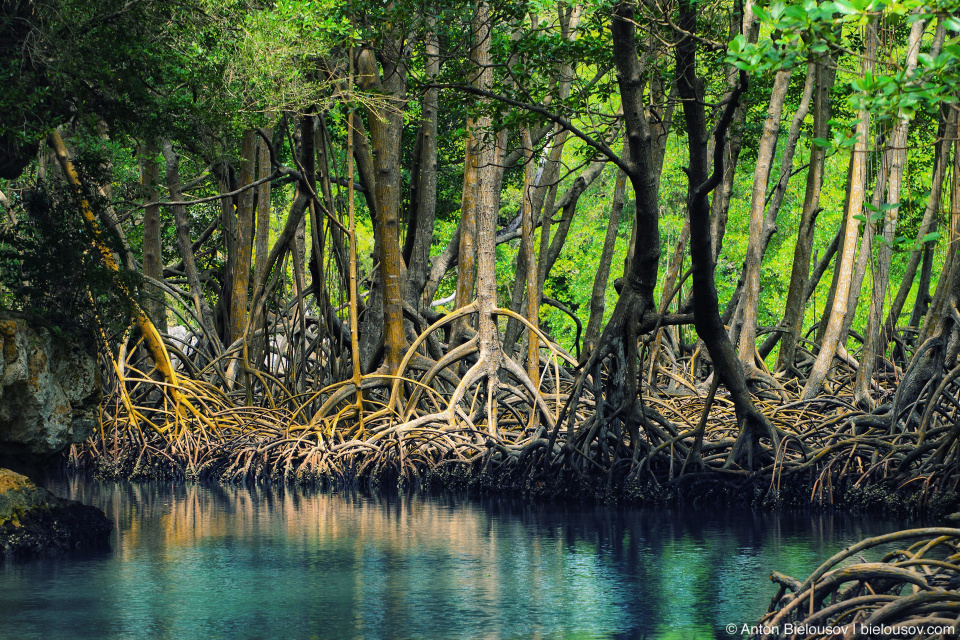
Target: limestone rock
(49, 393)
(34, 522)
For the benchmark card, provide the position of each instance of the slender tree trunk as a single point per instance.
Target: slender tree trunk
(750, 300)
(831, 292)
(325, 172)
(261, 241)
(898, 151)
(922, 301)
(151, 336)
(567, 203)
(532, 309)
(184, 243)
(489, 162)
(796, 301)
(154, 305)
(775, 199)
(545, 185)
(572, 197)
(599, 292)
(261, 238)
(228, 227)
(241, 274)
(941, 162)
(828, 347)
(946, 295)
(467, 251)
(619, 336)
(660, 119)
(423, 211)
(706, 306)
(448, 257)
(866, 246)
(720, 204)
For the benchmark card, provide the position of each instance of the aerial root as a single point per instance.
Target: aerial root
(910, 592)
(435, 415)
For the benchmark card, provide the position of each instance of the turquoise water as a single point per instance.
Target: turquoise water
(222, 562)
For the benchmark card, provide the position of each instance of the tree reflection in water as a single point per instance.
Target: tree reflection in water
(194, 561)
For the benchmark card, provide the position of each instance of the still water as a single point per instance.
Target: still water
(223, 562)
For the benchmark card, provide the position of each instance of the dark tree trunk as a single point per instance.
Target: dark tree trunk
(423, 206)
(796, 300)
(706, 308)
(154, 305)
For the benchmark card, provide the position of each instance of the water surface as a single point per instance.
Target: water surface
(223, 562)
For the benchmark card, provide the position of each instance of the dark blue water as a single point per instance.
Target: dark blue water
(214, 562)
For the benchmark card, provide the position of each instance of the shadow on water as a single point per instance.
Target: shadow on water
(190, 561)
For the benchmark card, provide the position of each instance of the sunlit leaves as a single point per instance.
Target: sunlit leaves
(280, 62)
(806, 29)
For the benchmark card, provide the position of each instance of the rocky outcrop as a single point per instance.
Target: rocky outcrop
(34, 522)
(49, 392)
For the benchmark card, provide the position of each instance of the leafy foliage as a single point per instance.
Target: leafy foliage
(50, 271)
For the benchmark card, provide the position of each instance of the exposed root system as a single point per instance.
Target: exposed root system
(911, 592)
(433, 420)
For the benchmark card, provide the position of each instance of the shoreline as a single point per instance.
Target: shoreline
(704, 490)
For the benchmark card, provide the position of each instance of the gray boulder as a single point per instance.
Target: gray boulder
(49, 393)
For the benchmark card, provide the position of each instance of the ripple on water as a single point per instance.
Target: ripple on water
(205, 562)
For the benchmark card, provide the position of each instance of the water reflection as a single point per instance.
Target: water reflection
(224, 562)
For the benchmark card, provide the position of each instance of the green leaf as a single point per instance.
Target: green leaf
(845, 7)
(736, 45)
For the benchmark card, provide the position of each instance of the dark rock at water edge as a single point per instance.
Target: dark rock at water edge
(36, 523)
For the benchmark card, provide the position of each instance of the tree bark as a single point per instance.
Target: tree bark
(151, 336)
(154, 305)
(386, 127)
(872, 348)
(244, 246)
(706, 307)
(261, 241)
(599, 292)
(488, 158)
(799, 275)
(532, 308)
(733, 141)
(775, 199)
(828, 347)
(941, 162)
(182, 220)
(866, 243)
(467, 251)
(750, 299)
(946, 295)
(424, 201)
(619, 337)
(228, 228)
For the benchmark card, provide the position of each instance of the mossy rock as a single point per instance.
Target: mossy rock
(19, 496)
(34, 522)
